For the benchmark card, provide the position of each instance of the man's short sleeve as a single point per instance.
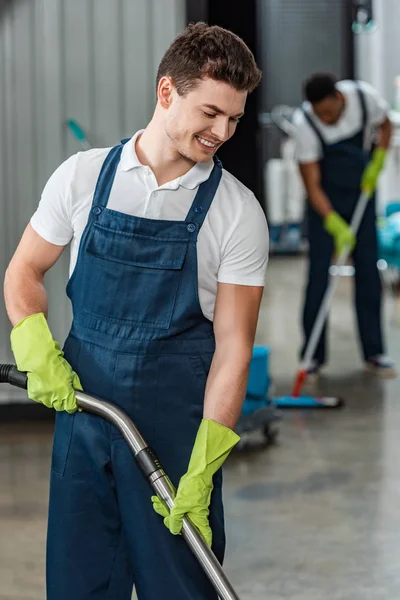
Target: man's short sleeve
(245, 255)
(52, 219)
(377, 107)
(308, 146)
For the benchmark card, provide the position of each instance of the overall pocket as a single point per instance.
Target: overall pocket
(62, 441)
(200, 365)
(132, 278)
(64, 422)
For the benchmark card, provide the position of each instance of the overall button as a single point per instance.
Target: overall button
(191, 227)
(198, 209)
(96, 210)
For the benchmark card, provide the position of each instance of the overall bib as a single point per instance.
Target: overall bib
(139, 340)
(341, 167)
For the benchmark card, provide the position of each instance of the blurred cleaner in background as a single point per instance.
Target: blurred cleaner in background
(168, 259)
(335, 129)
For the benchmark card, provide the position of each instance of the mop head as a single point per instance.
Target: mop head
(296, 400)
(308, 402)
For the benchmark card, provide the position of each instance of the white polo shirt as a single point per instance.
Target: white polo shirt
(232, 245)
(308, 145)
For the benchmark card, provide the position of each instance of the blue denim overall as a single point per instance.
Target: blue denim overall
(139, 340)
(342, 165)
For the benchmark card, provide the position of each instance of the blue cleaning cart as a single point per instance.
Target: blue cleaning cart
(389, 236)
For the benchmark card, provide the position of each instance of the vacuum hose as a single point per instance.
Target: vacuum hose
(153, 471)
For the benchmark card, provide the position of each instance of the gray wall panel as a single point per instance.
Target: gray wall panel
(8, 143)
(42, 168)
(23, 105)
(92, 60)
(137, 64)
(298, 38)
(77, 22)
(53, 143)
(9, 228)
(107, 25)
(4, 178)
(168, 17)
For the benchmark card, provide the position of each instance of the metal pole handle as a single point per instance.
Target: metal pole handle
(153, 471)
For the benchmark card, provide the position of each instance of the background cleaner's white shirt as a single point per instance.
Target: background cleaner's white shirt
(232, 245)
(308, 146)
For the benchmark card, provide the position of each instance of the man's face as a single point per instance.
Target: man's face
(329, 110)
(200, 122)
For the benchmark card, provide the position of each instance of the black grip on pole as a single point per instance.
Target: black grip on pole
(10, 374)
(148, 461)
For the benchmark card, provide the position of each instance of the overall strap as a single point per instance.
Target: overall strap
(362, 104)
(107, 174)
(314, 128)
(204, 197)
(364, 117)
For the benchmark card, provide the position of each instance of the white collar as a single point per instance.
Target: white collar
(199, 173)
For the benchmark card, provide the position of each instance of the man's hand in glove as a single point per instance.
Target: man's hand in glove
(51, 380)
(212, 446)
(340, 230)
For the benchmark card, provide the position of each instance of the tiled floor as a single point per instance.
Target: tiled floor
(316, 517)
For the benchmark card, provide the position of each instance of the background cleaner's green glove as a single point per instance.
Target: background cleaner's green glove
(340, 230)
(212, 446)
(371, 172)
(51, 379)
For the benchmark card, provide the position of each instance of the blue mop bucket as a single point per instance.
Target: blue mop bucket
(259, 381)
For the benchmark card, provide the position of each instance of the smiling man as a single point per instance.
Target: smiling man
(168, 258)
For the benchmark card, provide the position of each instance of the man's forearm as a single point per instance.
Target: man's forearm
(226, 385)
(320, 202)
(24, 293)
(385, 133)
(311, 175)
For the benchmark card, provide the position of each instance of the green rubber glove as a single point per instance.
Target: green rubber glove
(212, 446)
(371, 172)
(51, 379)
(340, 230)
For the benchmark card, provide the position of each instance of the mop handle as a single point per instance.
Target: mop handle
(152, 470)
(333, 282)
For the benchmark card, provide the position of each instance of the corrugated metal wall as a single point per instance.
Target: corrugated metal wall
(298, 37)
(92, 60)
